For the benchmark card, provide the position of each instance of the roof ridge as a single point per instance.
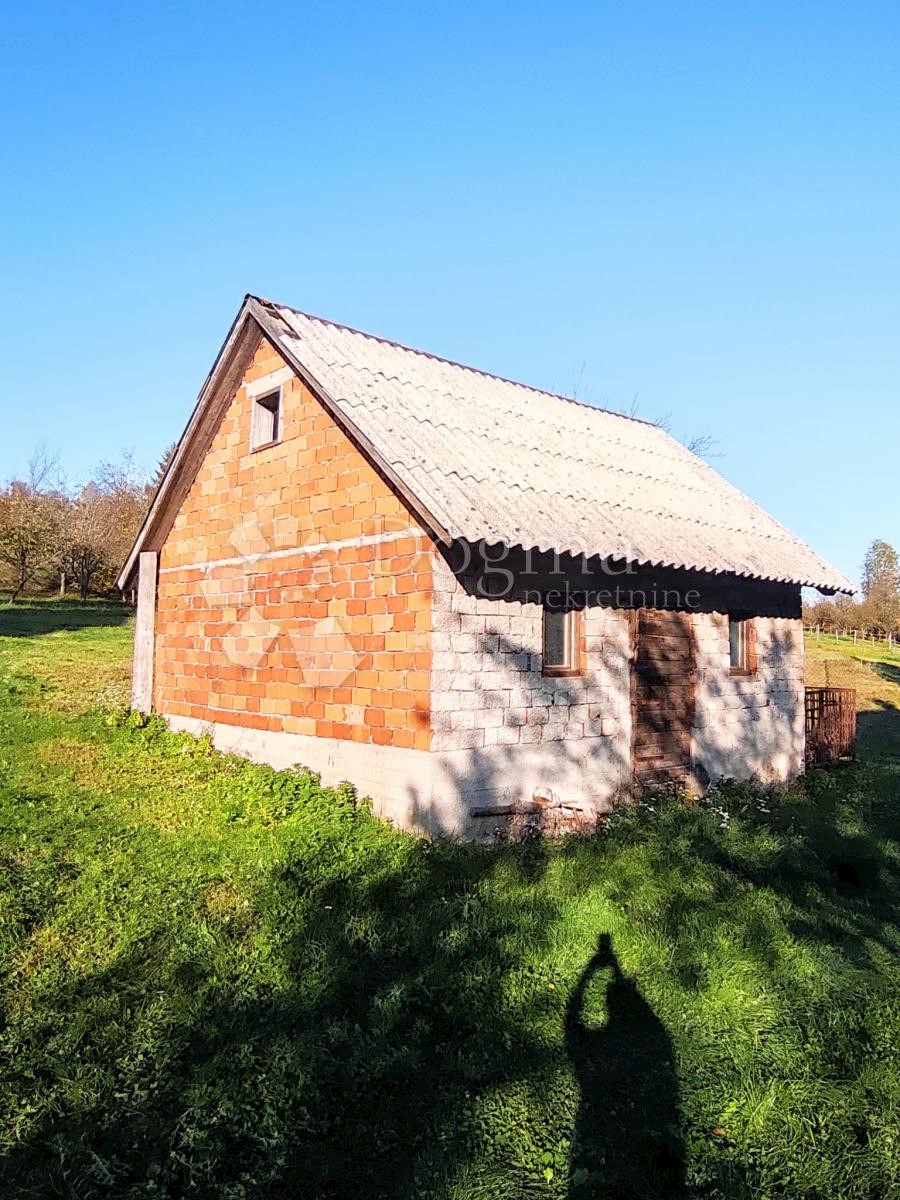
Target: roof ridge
(654, 521)
(453, 362)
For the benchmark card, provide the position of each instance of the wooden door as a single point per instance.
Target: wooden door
(662, 697)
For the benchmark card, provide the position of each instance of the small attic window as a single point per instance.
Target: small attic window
(266, 421)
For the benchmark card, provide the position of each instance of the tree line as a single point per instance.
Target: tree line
(877, 610)
(56, 538)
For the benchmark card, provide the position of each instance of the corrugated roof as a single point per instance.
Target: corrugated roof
(493, 459)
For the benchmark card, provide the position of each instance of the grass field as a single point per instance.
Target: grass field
(221, 981)
(874, 673)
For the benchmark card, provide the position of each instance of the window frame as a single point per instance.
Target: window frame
(260, 402)
(747, 663)
(573, 638)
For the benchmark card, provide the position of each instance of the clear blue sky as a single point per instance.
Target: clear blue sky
(694, 203)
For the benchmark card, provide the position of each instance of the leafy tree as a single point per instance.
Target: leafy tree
(881, 586)
(162, 466)
(881, 568)
(841, 614)
(30, 527)
(101, 525)
(84, 549)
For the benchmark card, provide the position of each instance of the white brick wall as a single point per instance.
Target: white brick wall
(501, 730)
(749, 727)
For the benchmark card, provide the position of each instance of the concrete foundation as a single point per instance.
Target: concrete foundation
(428, 792)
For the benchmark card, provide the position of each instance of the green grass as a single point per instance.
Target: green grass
(222, 981)
(874, 673)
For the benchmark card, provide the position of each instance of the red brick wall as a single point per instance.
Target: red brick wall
(295, 587)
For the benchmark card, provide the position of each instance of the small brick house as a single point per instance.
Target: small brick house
(469, 597)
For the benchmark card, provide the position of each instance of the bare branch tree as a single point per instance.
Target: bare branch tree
(703, 445)
(43, 472)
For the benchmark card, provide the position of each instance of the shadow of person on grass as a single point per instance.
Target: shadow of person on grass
(627, 1142)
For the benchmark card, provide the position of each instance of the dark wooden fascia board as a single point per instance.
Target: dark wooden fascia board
(278, 333)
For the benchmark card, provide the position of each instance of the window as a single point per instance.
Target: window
(266, 427)
(741, 645)
(562, 643)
